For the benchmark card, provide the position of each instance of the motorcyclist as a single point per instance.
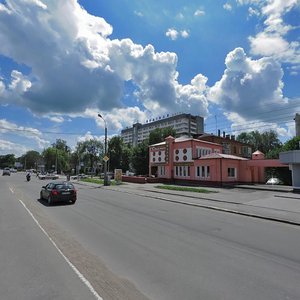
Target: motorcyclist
(28, 175)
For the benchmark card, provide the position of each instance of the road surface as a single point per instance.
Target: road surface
(135, 247)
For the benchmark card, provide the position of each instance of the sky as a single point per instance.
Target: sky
(236, 63)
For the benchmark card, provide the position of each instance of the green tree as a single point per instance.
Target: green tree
(265, 142)
(49, 155)
(140, 158)
(7, 160)
(126, 158)
(292, 144)
(115, 152)
(30, 159)
(61, 145)
(90, 152)
(159, 134)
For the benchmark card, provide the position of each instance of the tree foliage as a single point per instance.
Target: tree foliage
(7, 160)
(90, 152)
(31, 159)
(292, 144)
(159, 134)
(265, 142)
(140, 158)
(119, 154)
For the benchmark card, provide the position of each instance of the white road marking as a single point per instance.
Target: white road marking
(80, 275)
(12, 191)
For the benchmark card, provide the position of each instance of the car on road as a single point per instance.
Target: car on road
(59, 191)
(6, 172)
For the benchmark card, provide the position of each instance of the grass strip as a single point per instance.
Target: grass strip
(184, 189)
(97, 180)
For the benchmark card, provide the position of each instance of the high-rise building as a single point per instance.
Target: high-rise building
(184, 124)
(297, 124)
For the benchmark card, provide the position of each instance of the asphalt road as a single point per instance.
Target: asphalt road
(133, 247)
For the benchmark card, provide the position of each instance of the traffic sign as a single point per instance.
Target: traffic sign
(106, 158)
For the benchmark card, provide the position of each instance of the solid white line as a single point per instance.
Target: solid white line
(80, 275)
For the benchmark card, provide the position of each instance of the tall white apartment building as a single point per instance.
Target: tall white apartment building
(184, 124)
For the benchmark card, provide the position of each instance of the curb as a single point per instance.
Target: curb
(252, 215)
(211, 207)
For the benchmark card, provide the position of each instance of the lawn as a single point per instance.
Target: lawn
(184, 189)
(97, 180)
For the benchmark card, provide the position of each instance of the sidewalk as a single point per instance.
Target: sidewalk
(276, 203)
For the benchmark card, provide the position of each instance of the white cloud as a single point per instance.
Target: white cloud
(75, 66)
(227, 6)
(185, 34)
(56, 119)
(268, 44)
(138, 13)
(273, 39)
(199, 13)
(249, 86)
(24, 132)
(88, 136)
(172, 34)
(253, 12)
(10, 147)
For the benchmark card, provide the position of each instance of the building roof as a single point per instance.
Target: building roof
(221, 155)
(184, 138)
(257, 152)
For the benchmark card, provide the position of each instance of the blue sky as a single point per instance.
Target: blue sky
(235, 62)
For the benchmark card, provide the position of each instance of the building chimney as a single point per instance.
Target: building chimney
(297, 124)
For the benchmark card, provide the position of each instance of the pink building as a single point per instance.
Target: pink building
(201, 161)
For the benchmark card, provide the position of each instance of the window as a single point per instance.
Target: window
(203, 171)
(232, 172)
(203, 151)
(161, 170)
(182, 171)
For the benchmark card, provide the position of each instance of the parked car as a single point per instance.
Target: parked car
(59, 191)
(6, 172)
(48, 176)
(274, 180)
(79, 176)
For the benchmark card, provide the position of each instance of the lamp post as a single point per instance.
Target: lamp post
(105, 152)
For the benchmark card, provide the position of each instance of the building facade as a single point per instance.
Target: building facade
(229, 144)
(184, 124)
(192, 160)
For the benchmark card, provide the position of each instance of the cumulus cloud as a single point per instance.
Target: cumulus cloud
(25, 132)
(249, 86)
(273, 39)
(199, 13)
(174, 34)
(10, 147)
(227, 6)
(75, 66)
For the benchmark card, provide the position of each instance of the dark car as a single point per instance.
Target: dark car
(63, 191)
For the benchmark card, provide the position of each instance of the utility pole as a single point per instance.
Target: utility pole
(106, 183)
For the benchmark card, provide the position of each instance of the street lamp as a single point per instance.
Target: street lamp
(105, 152)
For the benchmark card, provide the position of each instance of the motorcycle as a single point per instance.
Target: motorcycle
(28, 177)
